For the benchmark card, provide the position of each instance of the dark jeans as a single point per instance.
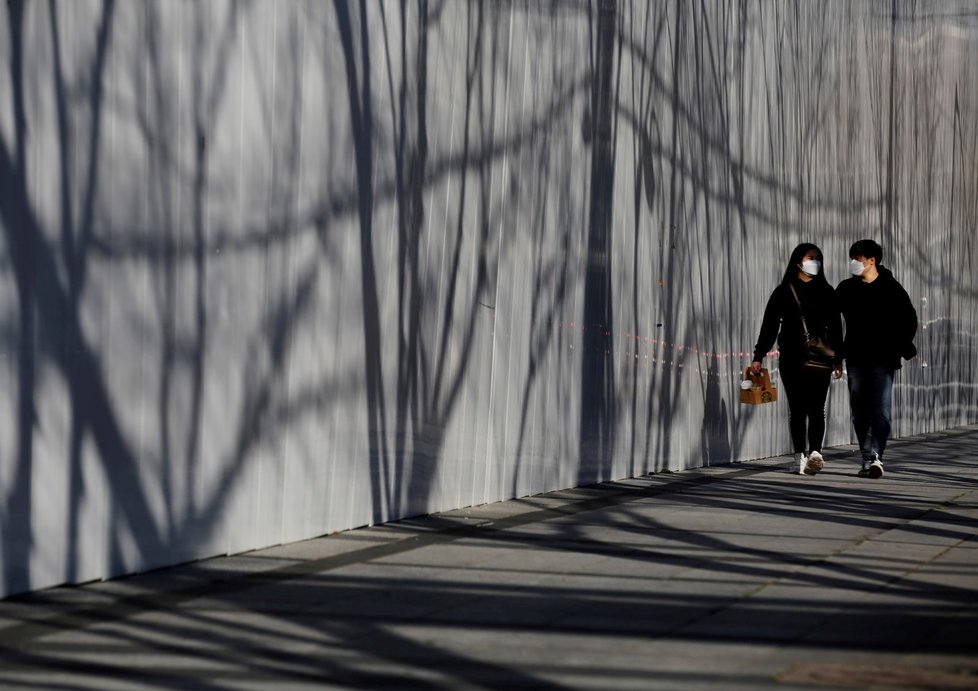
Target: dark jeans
(871, 399)
(806, 392)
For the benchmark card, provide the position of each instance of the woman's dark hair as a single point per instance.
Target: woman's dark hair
(866, 249)
(797, 255)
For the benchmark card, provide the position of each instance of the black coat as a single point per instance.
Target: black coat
(881, 321)
(782, 320)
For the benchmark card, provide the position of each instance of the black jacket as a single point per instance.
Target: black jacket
(880, 321)
(782, 320)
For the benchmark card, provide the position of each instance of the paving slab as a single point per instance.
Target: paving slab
(729, 577)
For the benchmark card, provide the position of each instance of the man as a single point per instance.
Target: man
(880, 327)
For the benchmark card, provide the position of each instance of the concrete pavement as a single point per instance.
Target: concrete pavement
(734, 577)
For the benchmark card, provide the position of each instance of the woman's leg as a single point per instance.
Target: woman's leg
(794, 389)
(817, 388)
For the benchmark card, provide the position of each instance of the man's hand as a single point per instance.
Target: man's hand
(755, 367)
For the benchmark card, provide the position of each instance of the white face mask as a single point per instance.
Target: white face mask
(856, 267)
(811, 266)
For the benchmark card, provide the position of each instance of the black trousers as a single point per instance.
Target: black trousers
(806, 392)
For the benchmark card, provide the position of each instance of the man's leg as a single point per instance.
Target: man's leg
(882, 405)
(859, 385)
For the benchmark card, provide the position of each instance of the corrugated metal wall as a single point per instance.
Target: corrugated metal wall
(276, 269)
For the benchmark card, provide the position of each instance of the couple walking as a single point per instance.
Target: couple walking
(880, 324)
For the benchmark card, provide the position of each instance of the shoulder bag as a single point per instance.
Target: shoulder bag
(817, 354)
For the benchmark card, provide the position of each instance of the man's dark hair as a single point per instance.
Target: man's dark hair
(867, 249)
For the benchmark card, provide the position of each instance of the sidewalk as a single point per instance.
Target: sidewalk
(736, 577)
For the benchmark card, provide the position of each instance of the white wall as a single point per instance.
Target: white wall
(235, 311)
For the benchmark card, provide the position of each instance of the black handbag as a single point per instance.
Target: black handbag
(817, 354)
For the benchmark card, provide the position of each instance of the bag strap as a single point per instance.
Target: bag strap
(801, 312)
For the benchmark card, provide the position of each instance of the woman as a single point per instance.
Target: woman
(805, 389)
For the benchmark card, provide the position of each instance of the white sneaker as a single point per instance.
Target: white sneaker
(875, 469)
(801, 460)
(815, 463)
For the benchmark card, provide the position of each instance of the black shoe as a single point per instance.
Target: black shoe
(864, 471)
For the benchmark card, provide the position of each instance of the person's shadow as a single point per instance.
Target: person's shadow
(716, 427)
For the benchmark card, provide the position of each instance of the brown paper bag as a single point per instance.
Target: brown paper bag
(761, 389)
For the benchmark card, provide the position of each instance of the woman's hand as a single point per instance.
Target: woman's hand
(838, 372)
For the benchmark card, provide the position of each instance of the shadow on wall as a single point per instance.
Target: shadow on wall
(716, 421)
(148, 517)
